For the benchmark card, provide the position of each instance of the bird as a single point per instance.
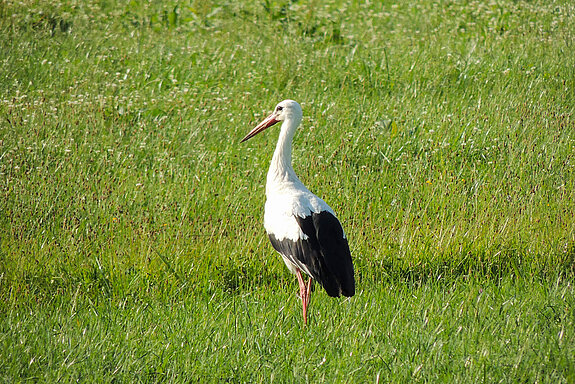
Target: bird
(301, 227)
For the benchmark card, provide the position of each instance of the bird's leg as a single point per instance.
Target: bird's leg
(303, 293)
(308, 292)
(301, 283)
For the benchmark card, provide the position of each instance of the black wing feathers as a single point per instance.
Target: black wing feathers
(328, 257)
(335, 251)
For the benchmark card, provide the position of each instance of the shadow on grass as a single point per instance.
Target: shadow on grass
(491, 265)
(96, 281)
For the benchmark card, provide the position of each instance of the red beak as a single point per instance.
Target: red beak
(268, 122)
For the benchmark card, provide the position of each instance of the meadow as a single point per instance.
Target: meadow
(131, 240)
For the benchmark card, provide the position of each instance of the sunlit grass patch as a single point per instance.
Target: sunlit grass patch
(131, 238)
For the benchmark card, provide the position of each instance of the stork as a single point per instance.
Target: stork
(302, 228)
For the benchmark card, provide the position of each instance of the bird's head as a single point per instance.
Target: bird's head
(287, 110)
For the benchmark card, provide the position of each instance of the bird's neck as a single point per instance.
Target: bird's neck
(281, 171)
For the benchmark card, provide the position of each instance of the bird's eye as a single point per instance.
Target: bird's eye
(279, 108)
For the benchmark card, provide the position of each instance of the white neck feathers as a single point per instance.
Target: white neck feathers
(281, 170)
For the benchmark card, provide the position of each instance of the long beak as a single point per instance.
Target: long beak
(268, 122)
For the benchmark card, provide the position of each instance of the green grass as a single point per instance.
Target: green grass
(131, 238)
(457, 332)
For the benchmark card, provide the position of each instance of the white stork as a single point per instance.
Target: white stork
(300, 225)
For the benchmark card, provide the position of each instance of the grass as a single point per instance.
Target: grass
(131, 243)
(457, 332)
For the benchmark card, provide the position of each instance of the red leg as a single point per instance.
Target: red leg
(304, 292)
(308, 292)
(301, 283)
